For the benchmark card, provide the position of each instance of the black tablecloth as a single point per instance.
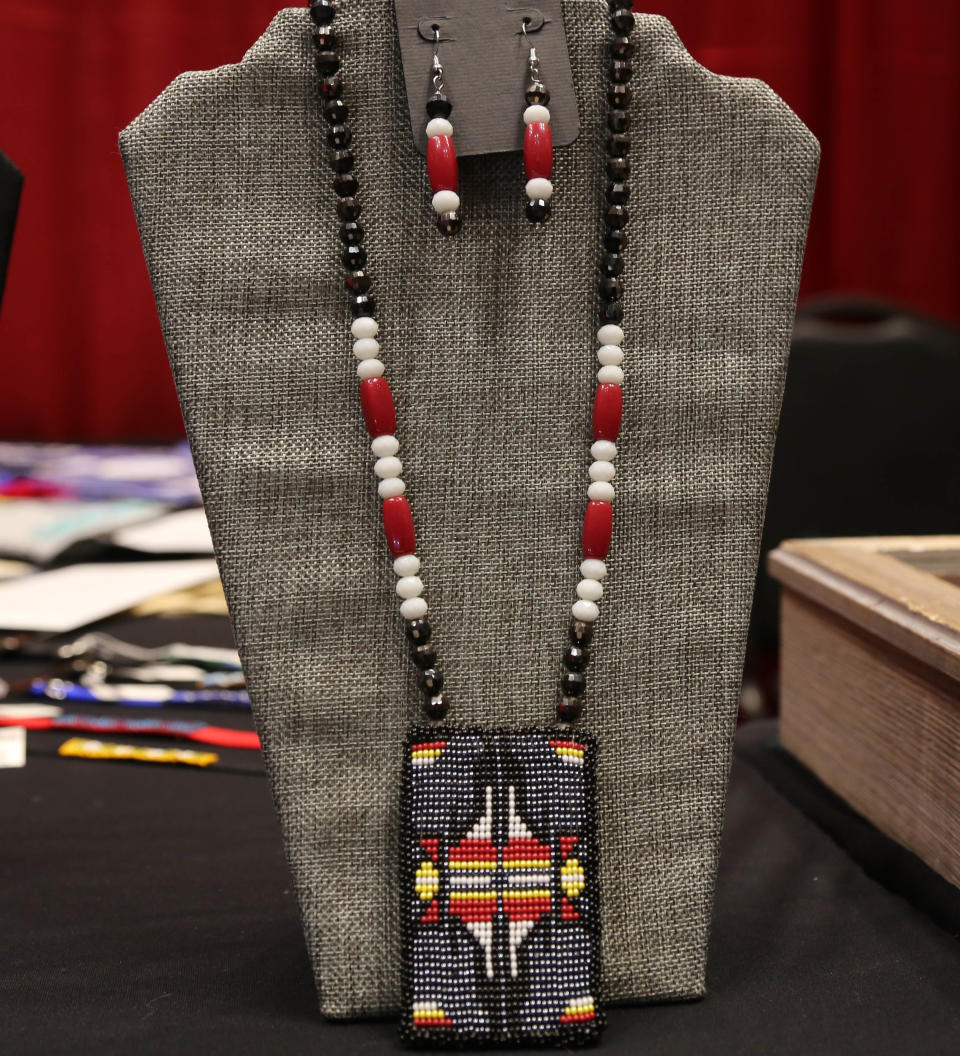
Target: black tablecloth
(147, 909)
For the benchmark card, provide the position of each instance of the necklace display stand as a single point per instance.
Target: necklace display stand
(490, 339)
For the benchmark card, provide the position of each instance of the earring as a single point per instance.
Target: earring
(537, 140)
(441, 157)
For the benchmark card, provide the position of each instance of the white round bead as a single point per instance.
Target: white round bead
(364, 326)
(383, 446)
(605, 450)
(407, 565)
(585, 610)
(446, 202)
(413, 608)
(590, 590)
(602, 470)
(366, 348)
(610, 375)
(391, 466)
(536, 113)
(592, 568)
(610, 334)
(370, 368)
(439, 126)
(539, 188)
(411, 586)
(601, 491)
(610, 355)
(391, 488)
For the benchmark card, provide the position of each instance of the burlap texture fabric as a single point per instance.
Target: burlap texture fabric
(489, 341)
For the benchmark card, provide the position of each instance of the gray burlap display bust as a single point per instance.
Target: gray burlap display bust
(489, 342)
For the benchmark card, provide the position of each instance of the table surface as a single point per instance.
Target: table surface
(148, 909)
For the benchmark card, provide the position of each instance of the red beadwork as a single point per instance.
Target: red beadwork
(398, 524)
(607, 412)
(442, 163)
(376, 401)
(597, 528)
(538, 150)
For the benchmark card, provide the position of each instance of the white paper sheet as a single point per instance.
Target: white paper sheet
(66, 598)
(183, 532)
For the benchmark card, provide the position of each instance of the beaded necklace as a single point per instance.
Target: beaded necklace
(498, 832)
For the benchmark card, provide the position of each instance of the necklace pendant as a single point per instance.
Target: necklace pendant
(499, 887)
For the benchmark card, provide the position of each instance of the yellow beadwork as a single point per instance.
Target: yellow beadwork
(571, 878)
(427, 882)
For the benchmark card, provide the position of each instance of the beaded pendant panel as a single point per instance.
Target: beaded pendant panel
(499, 888)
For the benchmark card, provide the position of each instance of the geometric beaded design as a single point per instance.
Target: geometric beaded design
(499, 888)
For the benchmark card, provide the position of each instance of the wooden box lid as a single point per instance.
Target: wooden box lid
(903, 589)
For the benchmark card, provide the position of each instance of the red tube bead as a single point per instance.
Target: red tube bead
(376, 401)
(398, 524)
(607, 412)
(441, 163)
(538, 150)
(597, 528)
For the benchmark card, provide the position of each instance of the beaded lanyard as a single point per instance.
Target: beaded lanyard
(498, 858)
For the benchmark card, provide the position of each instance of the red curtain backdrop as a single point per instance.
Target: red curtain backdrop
(878, 81)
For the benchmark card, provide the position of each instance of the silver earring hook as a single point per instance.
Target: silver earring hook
(437, 65)
(533, 63)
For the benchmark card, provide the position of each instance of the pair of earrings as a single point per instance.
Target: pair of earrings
(442, 157)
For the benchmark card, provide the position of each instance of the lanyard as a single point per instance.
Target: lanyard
(137, 696)
(182, 729)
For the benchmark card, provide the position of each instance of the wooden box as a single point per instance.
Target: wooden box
(870, 680)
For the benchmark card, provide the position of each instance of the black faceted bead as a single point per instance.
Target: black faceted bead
(419, 631)
(623, 47)
(348, 208)
(613, 312)
(346, 185)
(353, 257)
(616, 216)
(569, 708)
(339, 136)
(611, 288)
(322, 11)
(341, 160)
(449, 223)
(618, 121)
(618, 193)
(612, 264)
(331, 87)
(622, 20)
(618, 145)
(435, 707)
(438, 105)
(537, 94)
(424, 655)
(620, 71)
(357, 281)
(619, 95)
(573, 683)
(335, 111)
(615, 240)
(430, 680)
(326, 38)
(351, 233)
(363, 304)
(538, 210)
(580, 632)
(328, 62)
(618, 169)
(576, 658)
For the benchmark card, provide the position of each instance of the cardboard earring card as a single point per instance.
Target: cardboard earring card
(484, 54)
